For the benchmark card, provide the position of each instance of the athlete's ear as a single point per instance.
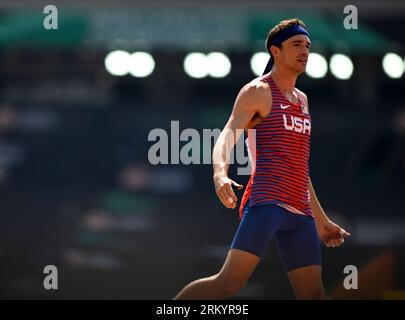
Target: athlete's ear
(274, 50)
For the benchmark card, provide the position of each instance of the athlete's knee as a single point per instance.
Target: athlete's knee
(314, 293)
(231, 288)
(231, 285)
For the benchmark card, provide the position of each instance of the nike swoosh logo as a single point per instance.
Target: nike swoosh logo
(284, 107)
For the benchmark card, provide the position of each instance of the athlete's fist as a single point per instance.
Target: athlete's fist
(223, 188)
(332, 234)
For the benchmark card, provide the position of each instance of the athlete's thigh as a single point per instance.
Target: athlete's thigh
(239, 266)
(300, 251)
(298, 242)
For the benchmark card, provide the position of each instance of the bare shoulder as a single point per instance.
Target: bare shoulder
(258, 88)
(255, 95)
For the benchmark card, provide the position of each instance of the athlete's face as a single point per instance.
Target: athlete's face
(293, 53)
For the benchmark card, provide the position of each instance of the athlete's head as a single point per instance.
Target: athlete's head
(288, 44)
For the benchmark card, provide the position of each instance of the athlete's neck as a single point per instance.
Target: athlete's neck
(285, 80)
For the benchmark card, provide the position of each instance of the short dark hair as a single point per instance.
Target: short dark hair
(281, 26)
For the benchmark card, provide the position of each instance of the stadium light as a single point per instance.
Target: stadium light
(393, 65)
(141, 64)
(196, 65)
(117, 62)
(258, 62)
(317, 67)
(219, 65)
(341, 66)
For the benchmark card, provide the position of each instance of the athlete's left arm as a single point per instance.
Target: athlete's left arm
(319, 214)
(330, 233)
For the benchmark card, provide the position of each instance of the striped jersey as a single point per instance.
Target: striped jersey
(279, 153)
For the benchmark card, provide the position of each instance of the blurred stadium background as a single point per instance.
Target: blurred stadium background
(76, 108)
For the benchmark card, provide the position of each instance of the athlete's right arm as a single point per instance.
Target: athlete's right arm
(252, 104)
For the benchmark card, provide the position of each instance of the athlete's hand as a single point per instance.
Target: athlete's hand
(332, 234)
(223, 188)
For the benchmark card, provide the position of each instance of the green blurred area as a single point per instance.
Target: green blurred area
(178, 29)
(326, 32)
(26, 29)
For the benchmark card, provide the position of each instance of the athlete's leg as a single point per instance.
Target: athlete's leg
(300, 252)
(307, 282)
(257, 227)
(237, 269)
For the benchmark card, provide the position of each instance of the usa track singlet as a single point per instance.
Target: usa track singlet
(279, 153)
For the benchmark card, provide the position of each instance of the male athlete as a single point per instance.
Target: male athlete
(279, 200)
